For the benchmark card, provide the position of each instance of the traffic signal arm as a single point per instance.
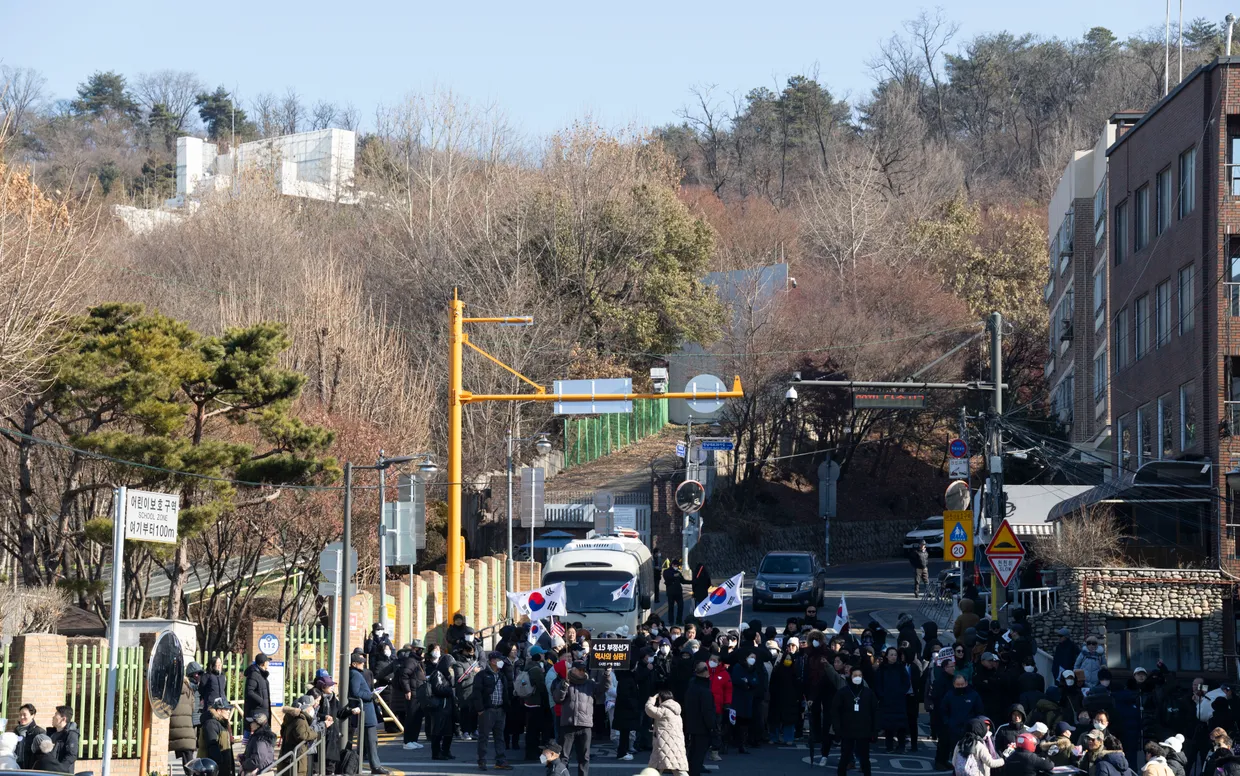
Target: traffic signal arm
(735, 393)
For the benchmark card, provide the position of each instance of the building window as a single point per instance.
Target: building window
(1188, 416)
(1162, 314)
(1141, 318)
(1121, 339)
(1119, 232)
(1188, 181)
(1166, 427)
(1141, 218)
(1100, 297)
(1100, 212)
(1123, 442)
(1233, 169)
(1232, 286)
(1162, 193)
(1185, 300)
(1174, 643)
(1100, 376)
(1145, 436)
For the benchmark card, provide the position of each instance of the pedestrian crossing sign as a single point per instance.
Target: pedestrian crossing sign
(958, 535)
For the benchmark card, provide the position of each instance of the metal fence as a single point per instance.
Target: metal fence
(232, 668)
(587, 439)
(299, 672)
(86, 694)
(6, 672)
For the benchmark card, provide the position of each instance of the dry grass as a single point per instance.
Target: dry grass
(31, 609)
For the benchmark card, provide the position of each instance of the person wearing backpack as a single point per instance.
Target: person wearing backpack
(975, 753)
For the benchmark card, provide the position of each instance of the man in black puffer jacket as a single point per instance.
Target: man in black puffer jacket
(699, 717)
(854, 716)
(257, 691)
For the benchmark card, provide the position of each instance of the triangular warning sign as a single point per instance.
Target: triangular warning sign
(1005, 542)
(958, 534)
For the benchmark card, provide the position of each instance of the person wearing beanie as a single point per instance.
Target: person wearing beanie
(576, 695)
(8, 748)
(260, 749)
(44, 754)
(1173, 751)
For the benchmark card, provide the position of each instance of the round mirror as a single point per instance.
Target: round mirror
(165, 676)
(690, 495)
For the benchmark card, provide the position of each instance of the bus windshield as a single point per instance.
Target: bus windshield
(588, 591)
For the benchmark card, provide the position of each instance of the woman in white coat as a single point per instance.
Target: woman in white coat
(668, 749)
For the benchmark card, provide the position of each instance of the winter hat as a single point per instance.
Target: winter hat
(43, 744)
(1064, 728)
(1063, 632)
(193, 668)
(1175, 743)
(8, 744)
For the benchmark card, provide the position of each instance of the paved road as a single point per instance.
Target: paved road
(883, 589)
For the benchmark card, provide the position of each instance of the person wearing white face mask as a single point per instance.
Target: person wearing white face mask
(855, 718)
(749, 682)
(1091, 660)
(552, 758)
(493, 691)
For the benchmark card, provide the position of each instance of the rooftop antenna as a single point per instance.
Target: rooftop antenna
(1231, 23)
(1167, 52)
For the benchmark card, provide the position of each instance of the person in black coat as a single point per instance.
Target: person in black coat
(213, 685)
(410, 679)
(892, 685)
(442, 708)
(1025, 761)
(379, 650)
(64, 734)
(699, 718)
(257, 690)
(930, 637)
(912, 702)
(855, 719)
(919, 559)
(674, 582)
(329, 708)
(1066, 653)
(630, 699)
(27, 729)
(749, 682)
(700, 583)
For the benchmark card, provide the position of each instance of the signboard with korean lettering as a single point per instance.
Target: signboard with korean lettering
(610, 653)
(151, 517)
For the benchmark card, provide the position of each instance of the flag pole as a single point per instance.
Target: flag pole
(741, 625)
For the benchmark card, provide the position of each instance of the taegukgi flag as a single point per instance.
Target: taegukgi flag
(537, 629)
(725, 596)
(841, 617)
(540, 603)
(625, 590)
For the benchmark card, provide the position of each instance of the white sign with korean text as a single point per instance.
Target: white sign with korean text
(151, 517)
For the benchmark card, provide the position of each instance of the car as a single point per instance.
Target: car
(930, 529)
(789, 579)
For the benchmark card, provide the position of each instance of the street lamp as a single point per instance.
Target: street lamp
(543, 446)
(427, 466)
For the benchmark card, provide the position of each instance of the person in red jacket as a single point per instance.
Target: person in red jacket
(721, 689)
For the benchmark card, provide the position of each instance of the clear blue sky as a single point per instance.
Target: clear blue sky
(544, 63)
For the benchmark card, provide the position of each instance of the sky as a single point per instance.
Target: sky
(544, 63)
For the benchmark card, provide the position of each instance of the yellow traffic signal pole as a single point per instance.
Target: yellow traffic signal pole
(458, 397)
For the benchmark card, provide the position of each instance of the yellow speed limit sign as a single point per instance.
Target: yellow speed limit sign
(958, 534)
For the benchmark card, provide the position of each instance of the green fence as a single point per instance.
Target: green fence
(587, 439)
(6, 671)
(86, 694)
(299, 673)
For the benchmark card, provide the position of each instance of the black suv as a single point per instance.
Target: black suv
(789, 579)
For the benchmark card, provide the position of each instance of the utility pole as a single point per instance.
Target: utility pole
(508, 575)
(995, 458)
(383, 617)
(346, 574)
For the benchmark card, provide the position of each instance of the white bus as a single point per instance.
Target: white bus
(592, 570)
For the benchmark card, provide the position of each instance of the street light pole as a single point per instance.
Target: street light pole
(508, 567)
(383, 618)
(346, 574)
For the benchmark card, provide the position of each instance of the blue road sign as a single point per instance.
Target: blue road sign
(958, 534)
(957, 448)
(717, 444)
(680, 449)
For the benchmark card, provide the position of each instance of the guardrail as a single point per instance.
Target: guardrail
(287, 765)
(1035, 600)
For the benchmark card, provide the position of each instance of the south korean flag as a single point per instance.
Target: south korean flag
(725, 596)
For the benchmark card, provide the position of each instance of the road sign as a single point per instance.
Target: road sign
(958, 534)
(1005, 553)
(705, 384)
(718, 444)
(411, 490)
(958, 448)
(612, 385)
(889, 399)
(533, 508)
(329, 567)
(958, 468)
(681, 449)
(151, 517)
(690, 495)
(269, 643)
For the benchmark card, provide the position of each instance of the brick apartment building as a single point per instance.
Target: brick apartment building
(1171, 248)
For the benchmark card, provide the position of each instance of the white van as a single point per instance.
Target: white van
(592, 570)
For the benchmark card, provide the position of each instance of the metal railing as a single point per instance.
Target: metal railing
(86, 694)
(287, 764)
(1037, 600)
(6, 673)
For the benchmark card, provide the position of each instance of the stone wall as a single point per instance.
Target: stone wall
(1088, 597)
(852, 541)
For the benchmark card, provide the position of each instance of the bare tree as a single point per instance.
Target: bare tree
(291, 112)
(1089, 538)
(323, 115)
(21, 93)
(266, 109)
(176, 90)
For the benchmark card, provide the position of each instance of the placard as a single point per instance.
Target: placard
(610, 653)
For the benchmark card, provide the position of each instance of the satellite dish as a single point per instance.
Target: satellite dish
(165, 676)
(957, 497)
(690, 495)
(705, 384)
(604, 501)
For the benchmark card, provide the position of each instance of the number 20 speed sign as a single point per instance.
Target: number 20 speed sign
(151, 517)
